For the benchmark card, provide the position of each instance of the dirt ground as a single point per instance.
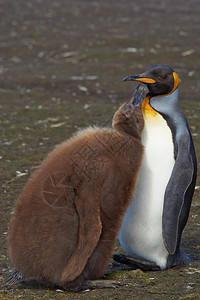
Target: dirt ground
(61, 68)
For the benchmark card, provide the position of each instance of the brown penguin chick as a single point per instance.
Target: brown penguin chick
(66, 220)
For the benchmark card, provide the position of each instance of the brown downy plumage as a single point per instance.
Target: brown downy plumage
(66, 220)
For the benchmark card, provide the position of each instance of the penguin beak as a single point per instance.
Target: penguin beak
(140, 78)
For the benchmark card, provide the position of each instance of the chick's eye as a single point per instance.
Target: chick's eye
(127, 107)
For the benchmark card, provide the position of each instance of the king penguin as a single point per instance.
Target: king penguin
(152, 227)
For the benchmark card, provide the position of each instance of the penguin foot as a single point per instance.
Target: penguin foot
(14, 278)
(184, 258)
(136, 262)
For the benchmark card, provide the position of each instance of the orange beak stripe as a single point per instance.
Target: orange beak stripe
(146, 80)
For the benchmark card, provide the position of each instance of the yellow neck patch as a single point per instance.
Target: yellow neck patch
(147, 110)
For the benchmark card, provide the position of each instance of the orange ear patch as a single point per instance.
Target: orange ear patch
(176, 81)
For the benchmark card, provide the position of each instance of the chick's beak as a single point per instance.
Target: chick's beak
(136, 100)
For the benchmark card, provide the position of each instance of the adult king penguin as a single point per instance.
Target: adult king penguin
(152, 227)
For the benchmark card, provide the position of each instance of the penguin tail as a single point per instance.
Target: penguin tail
(14, 278)
(184, 258)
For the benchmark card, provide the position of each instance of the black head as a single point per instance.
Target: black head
(160, 79)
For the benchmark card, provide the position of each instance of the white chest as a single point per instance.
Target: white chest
(141, 232)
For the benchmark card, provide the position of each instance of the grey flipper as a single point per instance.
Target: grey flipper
(179, 192)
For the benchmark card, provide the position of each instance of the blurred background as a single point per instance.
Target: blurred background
(61, 68)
